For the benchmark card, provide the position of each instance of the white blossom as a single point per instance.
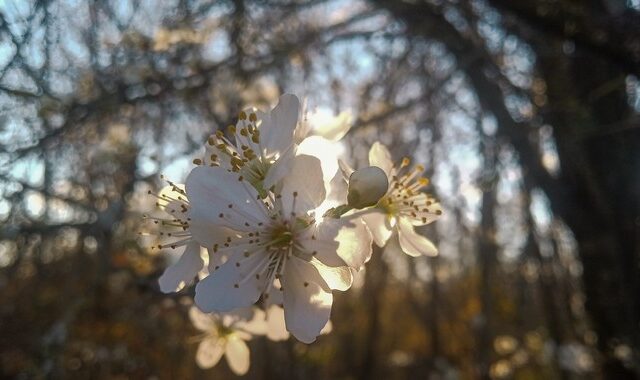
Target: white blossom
(262, 147)
(226, 334)
(275, 244)
(176, 236)
(403, 206)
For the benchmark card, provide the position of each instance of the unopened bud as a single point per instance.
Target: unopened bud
(366, 187)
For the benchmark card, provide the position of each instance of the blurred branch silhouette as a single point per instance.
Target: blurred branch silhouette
(526, 113)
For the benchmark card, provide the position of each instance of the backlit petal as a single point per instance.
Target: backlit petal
(209, 352)
(211, 190)
(183, 271)
(276, 130)
(303, 188)
(379, 224)
(379, 156)
(237, 355)
(413, 243)
(202, 321)
(307, 300)
(277, 329)
(233, 285)
(337, 278)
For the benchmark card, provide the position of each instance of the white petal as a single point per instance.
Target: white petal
(183, 271)
(276, 131)
(345, 169)
(327, 328)
(379, 156)
(232, 286)
(337, 278)
(280, 168)
(321, 242)
(277, 329)
(324, 150)
(307, 300)
(270, 323)
(412, 243)
(207, 233)
(341, 241)
(305, 180)
(209, 352)
(255, 325)
(202, 321)
(235, 316)
(331, 128)
(237, 355)
(379, 224)
(211, 190)
(355, 244)
(275, 297)
(216, 259)
(173, 207)
(337, 189)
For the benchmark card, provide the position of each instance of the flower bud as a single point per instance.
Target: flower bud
(366, 187)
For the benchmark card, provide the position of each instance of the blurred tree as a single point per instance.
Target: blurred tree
(526, 113)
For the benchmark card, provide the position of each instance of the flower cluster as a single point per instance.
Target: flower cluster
(252, 210)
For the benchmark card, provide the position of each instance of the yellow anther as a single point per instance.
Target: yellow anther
(244, 132)
(242, 116)
(253, 117)
(211, 140)
(197, 161)
(423, 181)
(232, 129)
(219, 134)
(419, 168)
(405, 162)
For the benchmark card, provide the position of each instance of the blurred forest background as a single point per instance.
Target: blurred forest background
(525, 113)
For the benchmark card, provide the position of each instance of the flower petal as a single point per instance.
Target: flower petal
(327, 329)
(333, 127)
(277, 329)
(412, 243)
(276, 130)
(307, 300)
(202, 321)
(211, 190)
(178, 199)
(207, 233)
(233, 285)
(379, 156)
(280, 168)
(209, 352)
(216, 259)
(237, 355)
(324, 150)
(379, 224)
(256, 325)
(345, 169)
(183, 271)
(337, 278)
(305, 180)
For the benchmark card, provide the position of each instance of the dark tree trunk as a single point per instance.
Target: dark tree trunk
(597, 190)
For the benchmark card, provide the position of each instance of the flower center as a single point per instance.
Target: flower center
(281, 237)
(224, 330)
